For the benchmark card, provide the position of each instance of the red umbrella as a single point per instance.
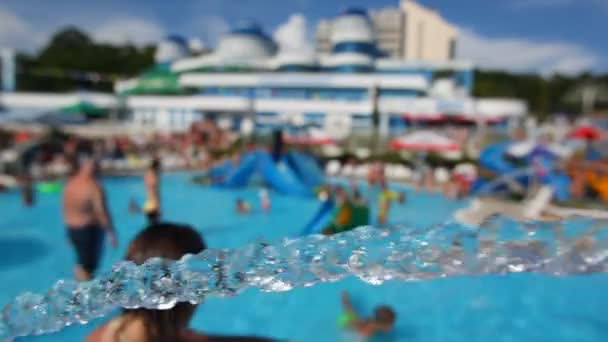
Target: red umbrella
(586, 132)
(424, 116)
(309, 140)
(313, 137)
(22, 136)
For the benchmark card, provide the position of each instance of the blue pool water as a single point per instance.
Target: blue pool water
(522, 307)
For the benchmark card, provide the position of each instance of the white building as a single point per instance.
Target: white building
(246, 82)
(246, 78)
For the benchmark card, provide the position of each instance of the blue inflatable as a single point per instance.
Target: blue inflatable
(320, 219)
(306, 167)
(279, 175)
(494, 158)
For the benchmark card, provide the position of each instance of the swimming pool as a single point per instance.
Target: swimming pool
(521, 307)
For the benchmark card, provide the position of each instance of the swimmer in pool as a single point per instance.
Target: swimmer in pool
(265, 200)
(382, 321)
(152, 182)
(242, 207)
(86, 217)
(170, 242)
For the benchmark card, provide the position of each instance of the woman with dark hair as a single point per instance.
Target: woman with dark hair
(167, 241)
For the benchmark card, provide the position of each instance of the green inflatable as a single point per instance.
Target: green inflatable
(49, 187)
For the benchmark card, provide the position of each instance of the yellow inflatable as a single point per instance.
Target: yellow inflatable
(599, 184)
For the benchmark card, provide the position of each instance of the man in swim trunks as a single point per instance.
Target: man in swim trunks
(86, 217)
(382, 321)
(152, 182)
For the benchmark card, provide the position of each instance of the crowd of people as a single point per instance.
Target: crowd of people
(453, 183)
(44, 156)
(89, 223)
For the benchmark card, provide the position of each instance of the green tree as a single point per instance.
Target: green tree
(71, 57)
(544, 95)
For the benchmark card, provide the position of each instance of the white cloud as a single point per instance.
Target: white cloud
(133, 30)
(518, 54)
(292, 36)
(17, 34)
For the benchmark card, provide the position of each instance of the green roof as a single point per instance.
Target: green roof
(85, 108)
(158, 80)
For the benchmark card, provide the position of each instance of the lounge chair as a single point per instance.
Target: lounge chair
(533, 208)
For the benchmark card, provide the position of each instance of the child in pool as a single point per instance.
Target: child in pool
(382, 321)
(242, 207)
(265, 200)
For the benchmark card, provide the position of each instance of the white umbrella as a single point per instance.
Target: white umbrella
(522, 148)
(425, 141)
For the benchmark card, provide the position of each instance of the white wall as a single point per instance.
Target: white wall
(501, 107)
(54, 100)
(427, 34)
(323, 106)
(164, 119)
(207, 103)
(413, 82)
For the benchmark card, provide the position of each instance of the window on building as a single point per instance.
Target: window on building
(452, 48)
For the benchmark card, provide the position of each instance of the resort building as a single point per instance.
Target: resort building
(248, 83)
(248, 80)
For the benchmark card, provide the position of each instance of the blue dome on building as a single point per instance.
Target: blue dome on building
(355, 11)
(245, 43)
(177, 40)
(171, 48)
(353, 42)
(352, 27)
(249, 27)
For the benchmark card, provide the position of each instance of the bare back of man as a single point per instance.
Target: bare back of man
(86, 217)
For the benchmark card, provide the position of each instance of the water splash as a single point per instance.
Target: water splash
(375, 255)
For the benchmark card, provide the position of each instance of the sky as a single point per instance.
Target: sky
(544, 36)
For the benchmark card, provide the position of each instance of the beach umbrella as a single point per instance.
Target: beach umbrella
(425, 141)
(22, 136)
(586, 132)
(424, 116)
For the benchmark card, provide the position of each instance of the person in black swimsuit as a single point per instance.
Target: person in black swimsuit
(86, 217)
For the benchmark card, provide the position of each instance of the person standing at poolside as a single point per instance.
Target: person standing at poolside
(152, 183)
(385, 199)
(86, 217)
(27, 190)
